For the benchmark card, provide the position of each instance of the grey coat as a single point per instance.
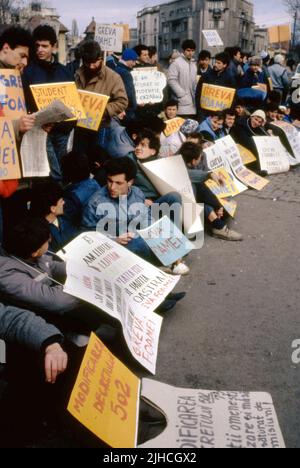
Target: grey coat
(279, 76)
(29, 285)
(25, 328)
(182, 79)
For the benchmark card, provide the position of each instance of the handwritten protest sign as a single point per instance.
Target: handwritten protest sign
(170, 175)
(224, 192)
(12, 101)
(173, 126)
(9, 160)
(273, 157)
(34, 153)
(120, 283)
(213, 38)
(216, 98)
(246, 155)
(149, 85)
(110, 37)
(213, 419)
(247, 177)
(105, 397)
(293, 138)
(67, 92)
(94, 106)
(166, 241)
(215, 158)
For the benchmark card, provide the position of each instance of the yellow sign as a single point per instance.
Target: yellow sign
(94, 106)
(173, 126)
(67, 92)
(105, 398)
(279, 34)
(246, 155)
(9, 160)
(224, 191)
(216, 98)
(12, 101)
(251, 179)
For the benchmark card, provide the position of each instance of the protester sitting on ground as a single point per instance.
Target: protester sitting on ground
(170, 145)
(47, 202)
(240, 108)
(80, 187)
(247, 128)
(213, 126)
(128, 209)
(25, 328)
(272, 113)
(170, 110)
(214, 212)
(229, 121)
(204, 63)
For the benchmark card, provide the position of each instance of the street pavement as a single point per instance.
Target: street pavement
(235, 328)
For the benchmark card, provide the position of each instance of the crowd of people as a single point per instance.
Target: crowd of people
(39, 217)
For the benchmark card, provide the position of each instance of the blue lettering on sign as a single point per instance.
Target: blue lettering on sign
(12, 104)
(12, 81)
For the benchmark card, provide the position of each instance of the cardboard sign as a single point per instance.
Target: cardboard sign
(216, 98)
(67, 92)
(246, 176)
(166, 241)
(228, 188)
(213, 419)
(110, 37)
(222, 192)
(9, 160)
(279, 34)
(105, 397)
(213, 38)
(12, 101)
(246, 155)
(293, 137)
(173, 126)
(94, 106)
(273, 157)
(170, 175)
(215, 158)
(120, 283)
(149, 85)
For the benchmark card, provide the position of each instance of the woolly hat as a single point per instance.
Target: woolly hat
(129, 54)
(255, 61)
(261, 114)
(189, 126)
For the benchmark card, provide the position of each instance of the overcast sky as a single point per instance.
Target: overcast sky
(267, 12)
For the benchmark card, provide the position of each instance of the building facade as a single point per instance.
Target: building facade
(261, 40)
(182, 19)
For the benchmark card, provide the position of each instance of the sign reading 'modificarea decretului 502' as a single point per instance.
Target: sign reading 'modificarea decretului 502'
(12, 101)
(9, 160)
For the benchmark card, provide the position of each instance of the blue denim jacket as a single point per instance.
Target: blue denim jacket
(117, 212)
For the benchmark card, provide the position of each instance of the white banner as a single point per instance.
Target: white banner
(273, 157)
(120, 283)
(149, 85)
(109, 37)
(213, 38)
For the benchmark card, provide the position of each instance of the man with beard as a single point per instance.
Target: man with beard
(94, 76)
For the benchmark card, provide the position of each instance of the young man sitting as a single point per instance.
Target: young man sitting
(170, 110)
(214, 212)
(213, 126)
(229, 121)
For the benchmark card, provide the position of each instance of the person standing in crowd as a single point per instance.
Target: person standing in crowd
(45, 69)
(143, 56)
(254, 84)
(182, 79)
(124, 69)
(235, 66)
(279, 76)
(204, 63)
(94, 76)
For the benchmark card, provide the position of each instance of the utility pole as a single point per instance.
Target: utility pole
(295, 26)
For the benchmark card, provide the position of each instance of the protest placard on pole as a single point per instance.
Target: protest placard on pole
(173, 126)
(109, 37)
(166, 241)
(34, 153)
(212, 419)
(105, 397)
(149, 85)
(120, 283)
(9, 159)
(213, 38)
(247, 177)
(293, 138)
(94, 106)
(273, 157)
(66, 92)
(170, 175)
(216, 98)
(12, 101)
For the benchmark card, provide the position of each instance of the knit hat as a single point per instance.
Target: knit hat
(255, 61)
(189, 126)
(261, 114)
(129, 54)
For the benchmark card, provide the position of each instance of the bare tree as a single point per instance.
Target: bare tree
(293, 5)
(5, 10)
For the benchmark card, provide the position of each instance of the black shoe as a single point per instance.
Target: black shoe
(176, 296)
(166, 306)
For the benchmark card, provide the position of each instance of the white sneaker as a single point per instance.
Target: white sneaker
(180, 269)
